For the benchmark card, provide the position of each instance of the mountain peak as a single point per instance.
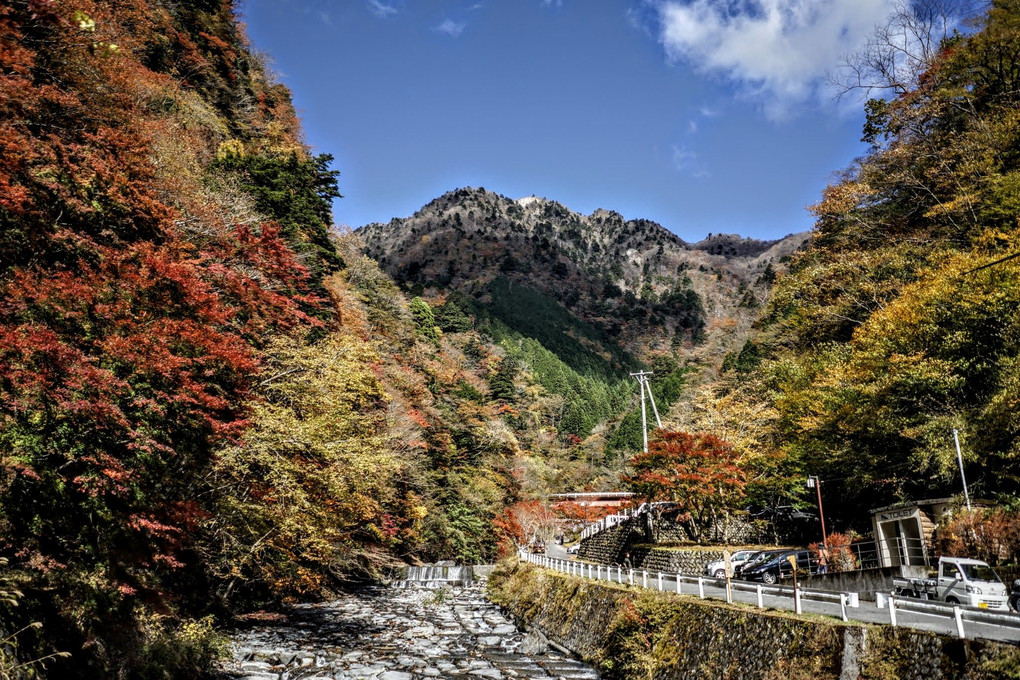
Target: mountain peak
(644, 285)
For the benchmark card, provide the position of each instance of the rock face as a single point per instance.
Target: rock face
(396, 634)
(640, 283)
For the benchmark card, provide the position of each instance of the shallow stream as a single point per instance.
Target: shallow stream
(433, 630)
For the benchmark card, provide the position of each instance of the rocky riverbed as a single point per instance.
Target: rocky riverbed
(444, 631)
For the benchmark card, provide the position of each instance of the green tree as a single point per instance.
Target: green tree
(451, 318)
(501, 385)
(424, 320)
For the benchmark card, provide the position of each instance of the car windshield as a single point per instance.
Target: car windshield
(980, 572)
(758, 559)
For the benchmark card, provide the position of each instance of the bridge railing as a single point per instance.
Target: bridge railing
(607, 522)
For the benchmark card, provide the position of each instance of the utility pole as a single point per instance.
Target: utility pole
(642, 378)
(814, 483)
(959, 459)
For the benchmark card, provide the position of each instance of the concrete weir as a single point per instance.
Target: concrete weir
(433, 622)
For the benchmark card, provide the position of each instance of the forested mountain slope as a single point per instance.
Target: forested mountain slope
(901, 320)
(579, 301)
(209, 401)
(644, 287)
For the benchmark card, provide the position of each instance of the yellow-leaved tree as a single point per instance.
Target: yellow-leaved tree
(312, 480)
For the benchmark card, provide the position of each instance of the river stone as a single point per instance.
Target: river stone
(533, 644)
(405, 633)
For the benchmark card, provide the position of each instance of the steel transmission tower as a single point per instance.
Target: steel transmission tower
(642, 379)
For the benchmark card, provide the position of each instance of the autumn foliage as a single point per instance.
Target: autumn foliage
(899, 323)
(699, 473)
(135, 292)
(989, 534)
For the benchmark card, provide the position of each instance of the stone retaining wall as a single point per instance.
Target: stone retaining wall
(690, 562)
(628, 634)
(609, 546)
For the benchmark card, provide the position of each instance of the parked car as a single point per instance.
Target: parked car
(572, 549)
(538, 547)
(778, 566)
(717, 568)
(763, 556)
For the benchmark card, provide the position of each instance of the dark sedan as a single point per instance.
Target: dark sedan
(778, 566)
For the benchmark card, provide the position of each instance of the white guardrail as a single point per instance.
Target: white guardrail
(959, 613)
(618, 574)
(695, 585)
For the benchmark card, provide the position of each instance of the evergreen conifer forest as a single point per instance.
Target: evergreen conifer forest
(213, 402)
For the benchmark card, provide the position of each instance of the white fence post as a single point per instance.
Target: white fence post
(958, 613)
(644, 578)
(796, 600)
(630, 576)
(678, 583)
(842, 606)
(701, 588)
(892, 612)
(761, 603)
(660, 581)
(598, 572)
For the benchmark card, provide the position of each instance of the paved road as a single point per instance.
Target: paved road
(867, 612)
(557, 551)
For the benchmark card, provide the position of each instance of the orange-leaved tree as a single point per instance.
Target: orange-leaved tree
(526, 521)
(700, 473)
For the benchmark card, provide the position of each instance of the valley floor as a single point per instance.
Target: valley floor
(396, 634)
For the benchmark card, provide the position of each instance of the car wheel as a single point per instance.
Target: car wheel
(719, 573)
(768, 577)
(952, 600)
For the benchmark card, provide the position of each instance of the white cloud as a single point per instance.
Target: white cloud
(692, 127)
(553, 3)
(779, 51)
(686, 161)
(451, 27)
(381, 9)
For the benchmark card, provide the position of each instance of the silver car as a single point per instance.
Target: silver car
(717, 568)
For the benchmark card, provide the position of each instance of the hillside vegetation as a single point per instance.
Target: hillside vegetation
(901, 321)
(646, 289)
(581, 301)
(209, 402)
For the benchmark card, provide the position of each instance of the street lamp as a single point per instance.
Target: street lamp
(814, 483)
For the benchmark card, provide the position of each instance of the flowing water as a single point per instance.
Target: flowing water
(434, 623)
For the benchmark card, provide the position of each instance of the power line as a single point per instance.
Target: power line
(992, 264)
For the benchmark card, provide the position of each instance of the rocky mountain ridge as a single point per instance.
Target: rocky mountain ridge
(648, 288)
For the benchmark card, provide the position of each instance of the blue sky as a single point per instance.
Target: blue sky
(703, 115)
